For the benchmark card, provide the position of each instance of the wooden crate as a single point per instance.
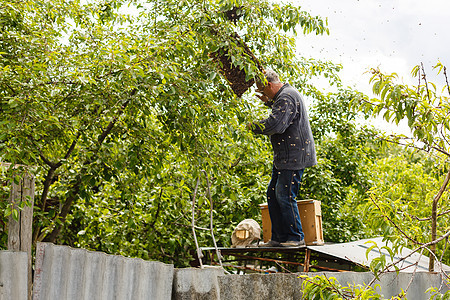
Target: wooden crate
(310, 216)
(266, 223)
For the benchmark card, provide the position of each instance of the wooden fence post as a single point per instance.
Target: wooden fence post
(20, 230)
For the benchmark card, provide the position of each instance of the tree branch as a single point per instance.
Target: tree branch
(393, 223)
(77, 184)
(65, 209)
(426, 83)
(157, 210)
(428, 218)
(442, 130)
(411, 145)
(12, 90)
(421, 247)
(446, 80)
(111, 124)
(440, 150)
(434, 217)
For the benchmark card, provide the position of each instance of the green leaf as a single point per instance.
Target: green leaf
(15, 214)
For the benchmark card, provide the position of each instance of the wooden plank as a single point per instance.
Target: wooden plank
(26, 215)
(269, 259)
(13, 225)
(266, 223)
(307, 260)
(20, 231)
(26, 227)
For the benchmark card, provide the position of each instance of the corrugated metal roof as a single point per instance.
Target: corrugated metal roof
(13, 275)
(350, 253)
(356, 253)
(63, 272)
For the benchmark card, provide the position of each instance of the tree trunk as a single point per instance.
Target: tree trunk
(434, 222)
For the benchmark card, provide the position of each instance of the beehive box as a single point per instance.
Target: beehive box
(310, 216)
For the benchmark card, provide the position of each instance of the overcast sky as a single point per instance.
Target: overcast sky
(394, 35)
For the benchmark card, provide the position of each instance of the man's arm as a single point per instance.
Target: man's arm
(283, 112)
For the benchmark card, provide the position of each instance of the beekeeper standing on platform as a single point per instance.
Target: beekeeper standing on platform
(293, 151)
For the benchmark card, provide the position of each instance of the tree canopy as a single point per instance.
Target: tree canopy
(120, 106)
(407, 200)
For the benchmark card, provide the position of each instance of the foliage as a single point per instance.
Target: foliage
(436, 295)
(410, 190)
(406, 184)
(120, 113)
(426, 111)
(120, 108)
(322, 287)
(341, 178)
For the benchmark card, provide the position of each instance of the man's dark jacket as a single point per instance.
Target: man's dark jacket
(289, 131)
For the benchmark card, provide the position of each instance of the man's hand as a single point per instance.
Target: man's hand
(261, 96)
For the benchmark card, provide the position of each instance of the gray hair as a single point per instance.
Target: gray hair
(271, 76)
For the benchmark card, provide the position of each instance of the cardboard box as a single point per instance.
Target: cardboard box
(310, 216)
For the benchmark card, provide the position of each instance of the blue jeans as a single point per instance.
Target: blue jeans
(283, 210)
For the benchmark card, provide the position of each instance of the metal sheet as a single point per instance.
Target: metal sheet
(356, 253)
(63, 272)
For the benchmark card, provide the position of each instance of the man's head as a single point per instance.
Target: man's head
(273, 84)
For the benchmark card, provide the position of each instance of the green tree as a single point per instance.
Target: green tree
(406, 181)
(410, 188)
(341, 178)
(120, 113)
(425, 108)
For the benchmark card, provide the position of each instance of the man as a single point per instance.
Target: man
(293, 151)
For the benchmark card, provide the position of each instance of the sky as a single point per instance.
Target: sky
(393, 35)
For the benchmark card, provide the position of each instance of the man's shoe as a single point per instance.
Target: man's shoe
(270, 244)
(293, 243)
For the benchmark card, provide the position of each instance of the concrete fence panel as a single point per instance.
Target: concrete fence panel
(391, 284)
(289, 286)
(66, 273)
(13, 275)
(197, 284)
(260, 286)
